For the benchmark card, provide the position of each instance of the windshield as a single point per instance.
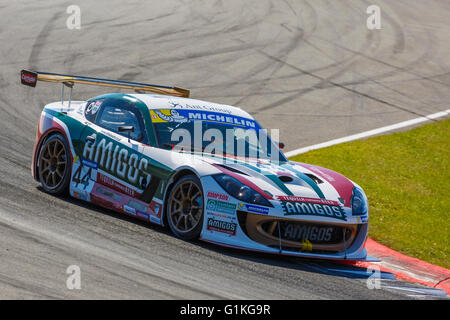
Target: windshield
(214, 133)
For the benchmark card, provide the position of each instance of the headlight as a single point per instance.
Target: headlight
(360, 206)
(240, 191)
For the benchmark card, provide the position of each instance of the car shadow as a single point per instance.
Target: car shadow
(328, 267)
(322, 266)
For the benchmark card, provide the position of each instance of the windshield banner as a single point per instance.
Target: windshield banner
(185, 116)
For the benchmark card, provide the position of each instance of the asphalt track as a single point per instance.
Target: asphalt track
(309, 68)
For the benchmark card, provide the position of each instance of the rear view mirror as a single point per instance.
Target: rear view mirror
(128, 129)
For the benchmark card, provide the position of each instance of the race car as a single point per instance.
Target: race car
(205, 170)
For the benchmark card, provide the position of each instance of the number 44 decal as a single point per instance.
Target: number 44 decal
(84, 180)
(84, 174)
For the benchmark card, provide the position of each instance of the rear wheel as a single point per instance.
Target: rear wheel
(185, 208)
(54, 165)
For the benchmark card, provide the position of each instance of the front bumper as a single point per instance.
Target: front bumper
(265, 230)
(256, 238)
(295, 235)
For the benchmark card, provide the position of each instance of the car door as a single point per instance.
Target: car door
(111, 157)
(84, 170)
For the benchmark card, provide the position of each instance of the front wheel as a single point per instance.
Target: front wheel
(185, 208)
(54, 165)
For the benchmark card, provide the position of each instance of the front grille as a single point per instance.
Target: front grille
(297, 235)
(300, 231)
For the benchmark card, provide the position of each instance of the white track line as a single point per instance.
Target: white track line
(368, 133)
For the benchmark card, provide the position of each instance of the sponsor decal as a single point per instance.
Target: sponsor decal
(93, 107)
(222, 226)
(221, 216)
(220, 206)
(363, 219)
(88, 163)
(108, 194)
(96, 106)
(155, 209)
(137, 205)
(28, 78)
(113, 184)
(309, 200)
(313, 209)
(117, 160)
(84, 175)
(136, 209)
(177, 105)
(309, 233)
(184, 116)
(111, 135)
(155, 219)
(170, 115)
(218, 196)
(142, 215)
(105, 203)
(253, 208)
(129, 210)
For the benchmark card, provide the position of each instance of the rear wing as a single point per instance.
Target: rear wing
(30, 78)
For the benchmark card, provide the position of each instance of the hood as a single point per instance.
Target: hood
(287, 179)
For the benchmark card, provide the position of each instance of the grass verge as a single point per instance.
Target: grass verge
(406, 177)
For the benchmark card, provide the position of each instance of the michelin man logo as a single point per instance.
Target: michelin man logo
(174, 116)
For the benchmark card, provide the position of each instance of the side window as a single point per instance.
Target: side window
(117, 113)
(91, 110)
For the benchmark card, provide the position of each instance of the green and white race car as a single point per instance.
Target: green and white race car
(206, 170)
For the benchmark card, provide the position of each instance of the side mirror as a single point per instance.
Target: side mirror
(128, 129)
(281, 145)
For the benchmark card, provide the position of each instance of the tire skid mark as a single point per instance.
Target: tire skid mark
(126, 259)
(40, 41)
(301, 92)
(406, 68)
(197, 38)
(332, 83)
(297, 38)
(326, 82)
(36, 290)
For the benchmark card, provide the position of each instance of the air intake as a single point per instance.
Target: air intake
(231, 169)
(286, 179)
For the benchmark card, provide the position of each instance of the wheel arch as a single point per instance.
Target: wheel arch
(44, 137)
(177, 175)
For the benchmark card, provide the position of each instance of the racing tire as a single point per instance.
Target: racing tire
(185, 208)
(55, 165)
